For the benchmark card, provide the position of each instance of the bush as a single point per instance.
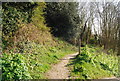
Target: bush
(92, 41)
(14, 67)
(13, 14)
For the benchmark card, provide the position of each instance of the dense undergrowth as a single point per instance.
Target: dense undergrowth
(92, 63)
(41, 59)
(28, 46)
(35, 60)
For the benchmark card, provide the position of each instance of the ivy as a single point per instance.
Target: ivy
(13, 15)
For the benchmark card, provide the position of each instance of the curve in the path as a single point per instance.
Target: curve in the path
(60, 70)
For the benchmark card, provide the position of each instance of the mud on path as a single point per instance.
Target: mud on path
(60, 70)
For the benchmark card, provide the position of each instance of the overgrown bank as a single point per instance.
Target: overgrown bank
(28, 47)
(92, 63)
(34, 61)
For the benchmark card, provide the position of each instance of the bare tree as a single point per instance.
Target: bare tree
(86, 16)
(107, 14)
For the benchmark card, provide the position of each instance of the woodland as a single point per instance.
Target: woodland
(35, 35)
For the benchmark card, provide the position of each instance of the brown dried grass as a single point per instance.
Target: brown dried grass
(29, 32)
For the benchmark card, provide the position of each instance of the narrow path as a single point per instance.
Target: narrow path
(60, 70)
(109, 78)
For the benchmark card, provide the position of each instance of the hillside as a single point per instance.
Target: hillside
(31, 49)
(59, 40)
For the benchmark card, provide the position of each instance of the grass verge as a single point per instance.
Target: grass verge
(92, 63)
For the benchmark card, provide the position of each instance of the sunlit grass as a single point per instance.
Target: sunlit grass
(92, 63)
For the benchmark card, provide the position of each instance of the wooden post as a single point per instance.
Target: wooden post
(79, 46)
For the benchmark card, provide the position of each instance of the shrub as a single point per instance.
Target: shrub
(14, 67)
(13, 14)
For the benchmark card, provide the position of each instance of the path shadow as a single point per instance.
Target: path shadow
(73, 61)
(63, 59)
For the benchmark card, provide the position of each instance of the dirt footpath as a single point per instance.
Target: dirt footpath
(60, 70)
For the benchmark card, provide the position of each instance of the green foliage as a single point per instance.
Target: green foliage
(34, 58)
(14, 14)
(63, 18)
(91, 64)
(38, 18)
(40, 57)
(18, 16)
(23, 25)
(14, 67)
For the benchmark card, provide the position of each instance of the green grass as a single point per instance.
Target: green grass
(45, 56)
(92, 63)
(39, 58)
